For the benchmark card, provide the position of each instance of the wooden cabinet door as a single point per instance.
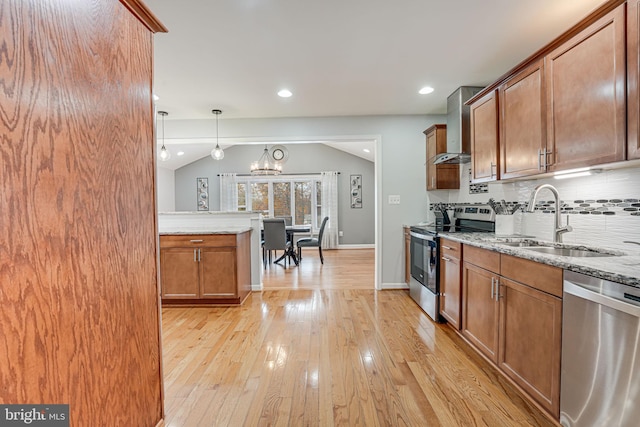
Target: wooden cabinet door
(451, 290)
(484, 138)
(633, 79)
(218, 273)
(432, 150)
(179, 269)
(586, 104)
(530, 341)
(439, 176)
(522, 124)
(480, 311)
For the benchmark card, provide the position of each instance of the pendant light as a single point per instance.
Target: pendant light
(217, 153)
(265, 165)
(164, 154)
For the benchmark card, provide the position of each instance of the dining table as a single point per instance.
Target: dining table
(291, 232)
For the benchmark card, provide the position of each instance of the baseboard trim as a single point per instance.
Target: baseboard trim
(257, 288)
(393, 286)
(354, 246)
(160, 423)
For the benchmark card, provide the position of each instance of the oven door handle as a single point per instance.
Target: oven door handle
(421, 236)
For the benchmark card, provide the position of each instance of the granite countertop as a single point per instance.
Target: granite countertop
(229, 229)
(623, 268)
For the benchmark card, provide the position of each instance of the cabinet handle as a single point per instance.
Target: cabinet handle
(497, 289)
(194, 256)
(446, 247)
(493, 282)
(494, 166)
(444, 258)
(539, 159)
(199, 254)
(544, 153)
(196, 241)
(433, 181)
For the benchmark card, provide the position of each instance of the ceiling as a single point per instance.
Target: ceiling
(341, 57)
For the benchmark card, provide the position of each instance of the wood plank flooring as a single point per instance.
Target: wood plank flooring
(342, 269)
(320, 347)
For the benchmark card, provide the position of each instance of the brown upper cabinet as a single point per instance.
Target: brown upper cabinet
(445, 176)
(565, 106)
(484, 138)
(523, 136)
(633, 79)
(585, 82)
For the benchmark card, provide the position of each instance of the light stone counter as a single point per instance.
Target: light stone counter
(204, 230)
(623, 268)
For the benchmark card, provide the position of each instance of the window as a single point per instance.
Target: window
(295, 196)
(318, 204)
(242, 196)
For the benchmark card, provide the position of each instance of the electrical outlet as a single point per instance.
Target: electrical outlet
(394, 199)
(340, 233)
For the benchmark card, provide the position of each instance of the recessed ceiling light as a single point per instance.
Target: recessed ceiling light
(366, 150)
(425, 90)
(285, 93)
(180, 153)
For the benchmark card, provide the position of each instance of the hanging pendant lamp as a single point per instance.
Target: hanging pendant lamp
(164, 154)
(217, 153)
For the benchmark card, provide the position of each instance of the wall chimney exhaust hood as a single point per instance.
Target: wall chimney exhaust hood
(458, 127)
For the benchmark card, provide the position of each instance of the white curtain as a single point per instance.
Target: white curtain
(228, 192)
(329, 200)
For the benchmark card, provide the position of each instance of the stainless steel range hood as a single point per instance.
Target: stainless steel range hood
(458, 127)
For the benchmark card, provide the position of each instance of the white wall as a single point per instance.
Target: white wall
(400, 164)
(588, 229)
(166, 190)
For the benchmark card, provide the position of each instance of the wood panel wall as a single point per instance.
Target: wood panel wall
(79, 305)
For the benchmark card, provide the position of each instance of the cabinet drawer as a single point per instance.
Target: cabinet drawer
(545, 278)
(484, 258)
(450, 249)
(197, 240)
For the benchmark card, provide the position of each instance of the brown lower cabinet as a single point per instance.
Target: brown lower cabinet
(205, 269)
(512, 314)
(450, 285)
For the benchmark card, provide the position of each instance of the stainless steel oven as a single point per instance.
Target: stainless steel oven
(424, 284)
(425, 271)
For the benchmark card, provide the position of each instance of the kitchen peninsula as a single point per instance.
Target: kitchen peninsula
(209, 257)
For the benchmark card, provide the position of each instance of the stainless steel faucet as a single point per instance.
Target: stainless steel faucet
(558, 231)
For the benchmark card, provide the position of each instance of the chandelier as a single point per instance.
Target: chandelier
(266, 165)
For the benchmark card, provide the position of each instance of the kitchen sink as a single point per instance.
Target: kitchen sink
(553, 249)
(576, 253)
(516, 244)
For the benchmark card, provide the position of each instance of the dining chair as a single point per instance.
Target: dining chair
(275, 238)
(312, 242)
(288, 219)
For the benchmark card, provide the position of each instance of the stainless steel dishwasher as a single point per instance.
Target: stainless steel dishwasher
(600, 377)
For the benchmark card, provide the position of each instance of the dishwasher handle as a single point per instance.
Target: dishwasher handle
(605, 300)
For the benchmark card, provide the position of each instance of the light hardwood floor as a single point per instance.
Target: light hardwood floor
(320, 347)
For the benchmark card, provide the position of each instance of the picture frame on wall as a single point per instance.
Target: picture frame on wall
(356, 191)
(202, 191)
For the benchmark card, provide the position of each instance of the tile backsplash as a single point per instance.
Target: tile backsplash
(603, 209)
